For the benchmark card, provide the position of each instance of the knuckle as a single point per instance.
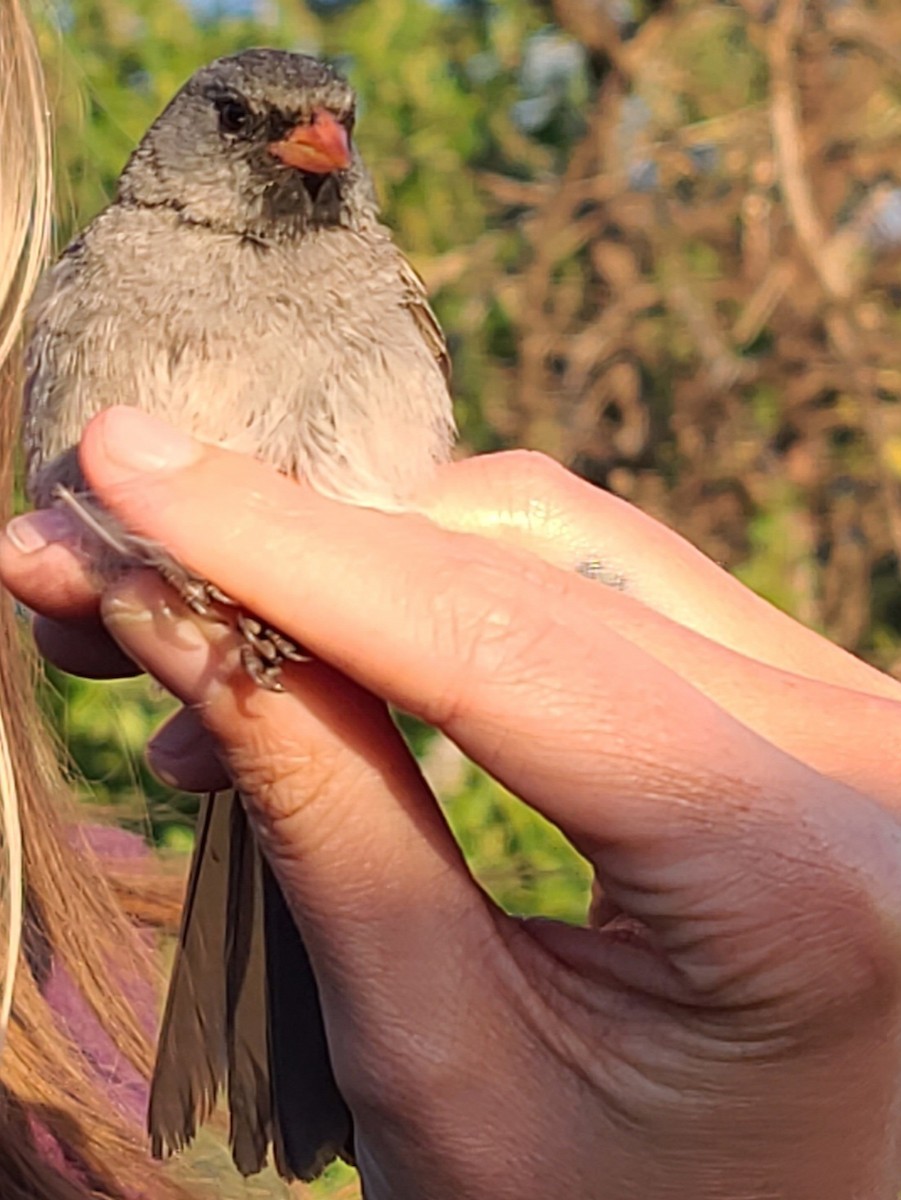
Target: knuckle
(492, 625)
(283, 781)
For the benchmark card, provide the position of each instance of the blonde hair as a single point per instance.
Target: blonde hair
(25, 170)
(73, 907)
(25, 206)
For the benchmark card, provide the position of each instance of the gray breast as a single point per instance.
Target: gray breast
(305, 355)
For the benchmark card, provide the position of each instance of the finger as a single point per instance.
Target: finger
(527, 500)
(42, 565)
(851, 736)
(787, 684)
(185, 755)
(82, 647)
(530, 501)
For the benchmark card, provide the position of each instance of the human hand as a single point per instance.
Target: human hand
(732, 1030)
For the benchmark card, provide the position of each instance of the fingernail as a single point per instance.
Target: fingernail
(121, 610)
(175, 741)
(124, 611)
(35, 530)
(183, 755)
(166, 777)
(134, 441)
(182, 651)
(139, 630)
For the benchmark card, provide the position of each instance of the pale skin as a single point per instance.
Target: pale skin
(736, 1030)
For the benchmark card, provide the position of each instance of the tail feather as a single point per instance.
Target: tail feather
(249, 1091)
(243, 1011)
(313, 1124)
(191, 1059)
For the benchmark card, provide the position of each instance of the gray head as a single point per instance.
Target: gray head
(258, 144)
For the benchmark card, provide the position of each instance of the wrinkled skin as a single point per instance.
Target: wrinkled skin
(729, 1024)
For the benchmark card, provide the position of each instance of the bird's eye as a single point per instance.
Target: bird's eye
(347, 119)
(234, 115)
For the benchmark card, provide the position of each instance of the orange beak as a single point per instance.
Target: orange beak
(321, 147)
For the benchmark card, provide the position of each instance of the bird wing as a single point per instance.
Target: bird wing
(416, 300)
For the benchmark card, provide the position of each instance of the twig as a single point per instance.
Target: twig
(785, 121)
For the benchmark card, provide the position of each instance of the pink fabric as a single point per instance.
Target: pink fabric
(124, 1087)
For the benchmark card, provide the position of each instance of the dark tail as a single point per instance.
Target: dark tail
(243, 1011)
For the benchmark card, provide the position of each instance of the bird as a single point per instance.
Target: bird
(242, 286)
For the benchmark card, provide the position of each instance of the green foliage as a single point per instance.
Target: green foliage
(523, 862)
(538, 206)
(438, 86)
(104, 729)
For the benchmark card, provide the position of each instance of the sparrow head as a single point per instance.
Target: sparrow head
(258, 144)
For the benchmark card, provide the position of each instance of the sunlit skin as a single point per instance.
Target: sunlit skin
(735, 1029)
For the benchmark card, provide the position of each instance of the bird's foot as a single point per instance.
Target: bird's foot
(264, 650)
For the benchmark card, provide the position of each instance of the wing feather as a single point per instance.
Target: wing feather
(416, 299)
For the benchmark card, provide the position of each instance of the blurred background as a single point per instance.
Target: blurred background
(664, 240)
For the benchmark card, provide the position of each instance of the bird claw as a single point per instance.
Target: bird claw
(199, 596)
(219, 596)
(265, 651)
(264, 675)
